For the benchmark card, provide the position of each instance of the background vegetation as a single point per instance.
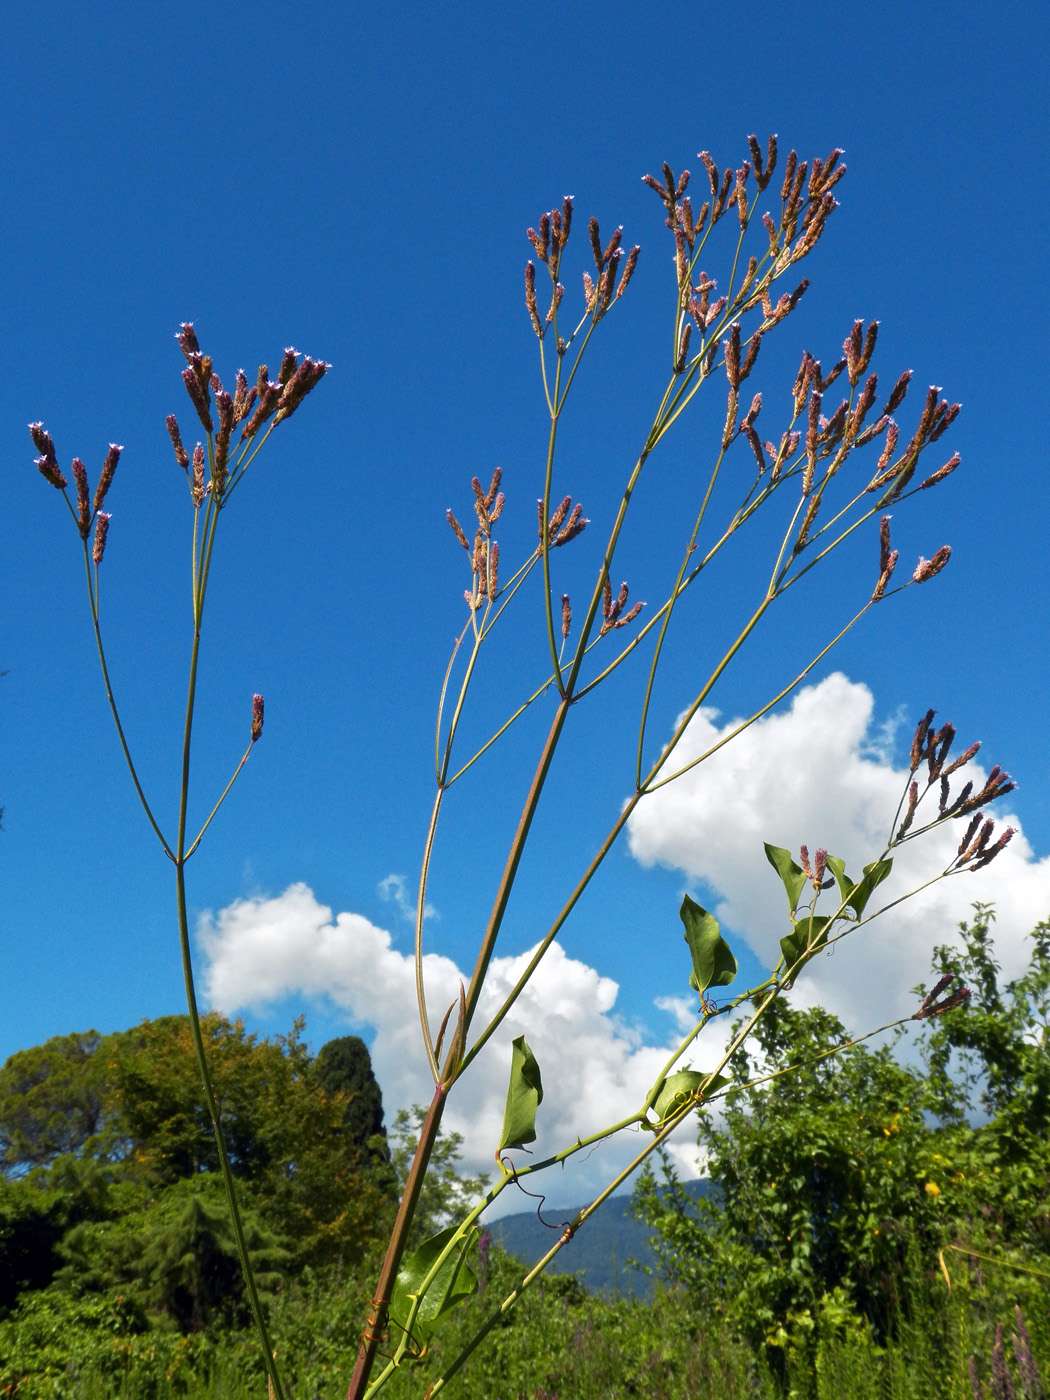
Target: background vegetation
(876, 1221)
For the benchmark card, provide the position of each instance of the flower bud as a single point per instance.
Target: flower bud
(102, 520)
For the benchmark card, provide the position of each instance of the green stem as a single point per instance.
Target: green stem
(567, 1235)
(651, 783)
(396, 1248)
(608, 843)
(421, 995)
(510, 870)
(429, 1131)
(676, 397)
(1002, 1263)
(113, 708)
(222, 799)
(745, 724)
(509, 1178)
(202, 571)
(441, 700)
(211, 1101)
(249, 452)
(667, 611)
(501, 730)
(771, 990)
(738, 1000)
(551, 934)
(460, 702)
(545, 542)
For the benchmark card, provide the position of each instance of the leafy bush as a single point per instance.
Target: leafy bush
(857, 1201)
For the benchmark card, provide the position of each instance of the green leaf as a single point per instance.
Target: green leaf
(874, 874)
(524, 1096)
(856, 896)
(792, 875)
(791, 946)
(807, 937)
(713, 963)
(453, 1282)
(845, 884)
(679, 1088)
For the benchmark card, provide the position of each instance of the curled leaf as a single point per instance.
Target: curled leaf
(524, 1096)
(679, 1089)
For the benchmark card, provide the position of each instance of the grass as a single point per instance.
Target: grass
(565, 1344)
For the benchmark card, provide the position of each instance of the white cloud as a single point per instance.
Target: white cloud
(394, 890)
(596, 1069)
(819, 773)
(681, 1009)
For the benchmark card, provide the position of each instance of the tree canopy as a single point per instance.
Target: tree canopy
(51, 1099)
(344, 1066)
(111, 1177)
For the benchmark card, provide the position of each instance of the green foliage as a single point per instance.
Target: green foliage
(841, 1186)
(1003, 1043)
(810, 932)
(808, 935)
(190, 1261)
(995, 1059)
(162, 1104)
(51, 1100)
(175, 1253)
(856, 895)
(791, 874)
(287, 1134)
(53, 1333)
(559, 1344)
(299, 1140)
(821, 1185)
(31, 1223)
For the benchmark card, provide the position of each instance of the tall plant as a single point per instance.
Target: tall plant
(821, 476)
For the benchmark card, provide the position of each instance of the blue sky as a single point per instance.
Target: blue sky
(356, 182)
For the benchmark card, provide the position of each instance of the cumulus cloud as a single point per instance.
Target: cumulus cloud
(258, 951)
(821, 774)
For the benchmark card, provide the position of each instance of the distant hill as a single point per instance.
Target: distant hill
(599, 1254)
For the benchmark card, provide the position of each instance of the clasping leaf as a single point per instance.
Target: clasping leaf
(874, 874)
(452, 1283)
(806, 938)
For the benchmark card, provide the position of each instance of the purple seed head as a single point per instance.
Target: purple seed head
(102, 520)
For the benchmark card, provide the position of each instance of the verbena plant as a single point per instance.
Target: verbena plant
(827, 474)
